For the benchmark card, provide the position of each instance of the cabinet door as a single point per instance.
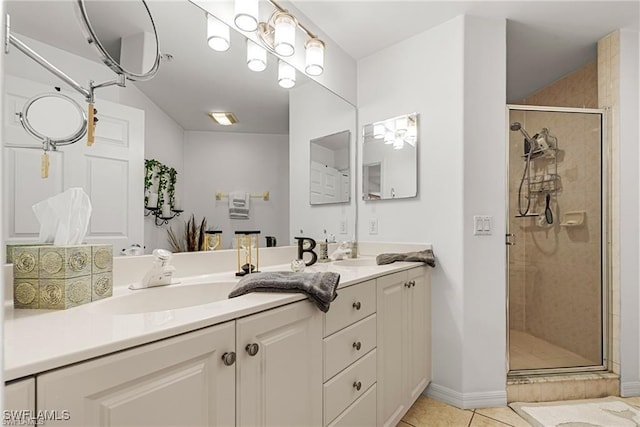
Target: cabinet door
(281, 384)
(418, 345)
(20, 403)
(392, 369)
(180, 381)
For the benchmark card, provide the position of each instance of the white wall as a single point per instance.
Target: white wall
(454, 76)
(163, 136)
(316, 112)
(629, 213)
(227, 162)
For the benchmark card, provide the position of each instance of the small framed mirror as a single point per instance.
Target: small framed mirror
(330, 177)
(124, 34)
(390, 158)
(37, 119)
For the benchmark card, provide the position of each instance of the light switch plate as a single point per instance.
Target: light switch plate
(482, 225)
(343, 226)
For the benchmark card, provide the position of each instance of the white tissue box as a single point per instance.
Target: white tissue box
(60, 277)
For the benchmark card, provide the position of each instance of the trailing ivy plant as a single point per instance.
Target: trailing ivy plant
(149, 165)
(162, 183)
(171, 187)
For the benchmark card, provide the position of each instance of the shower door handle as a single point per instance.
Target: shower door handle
(510, 239)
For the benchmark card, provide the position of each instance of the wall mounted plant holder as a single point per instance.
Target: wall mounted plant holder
(161, 217)
(573, 219)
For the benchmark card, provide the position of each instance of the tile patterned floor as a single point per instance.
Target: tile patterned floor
(428, 412)
(529, 352)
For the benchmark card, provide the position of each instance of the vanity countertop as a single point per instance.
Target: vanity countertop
(36, 341)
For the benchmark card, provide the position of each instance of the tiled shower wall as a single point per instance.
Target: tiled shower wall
(554, 270)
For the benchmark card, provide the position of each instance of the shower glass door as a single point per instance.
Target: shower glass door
(556, 267)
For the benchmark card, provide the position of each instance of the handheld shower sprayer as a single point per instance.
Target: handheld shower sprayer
(517, 126)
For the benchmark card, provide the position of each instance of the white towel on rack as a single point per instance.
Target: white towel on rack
(239, 203)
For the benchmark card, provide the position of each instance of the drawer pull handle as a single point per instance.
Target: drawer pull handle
(357, 385)
(252, 349)
(357, 305)
(357, 345)
(229, 358)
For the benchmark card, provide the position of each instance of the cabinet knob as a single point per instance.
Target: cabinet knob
(357, 305)
(252, 349)
(407, 285)
(229, 358)
(412, 282)
(357, 345)
(357, 385)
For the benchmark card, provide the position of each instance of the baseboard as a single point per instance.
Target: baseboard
(467, 400)
(630, 388)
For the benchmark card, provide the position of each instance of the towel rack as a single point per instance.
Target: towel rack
(264, 195)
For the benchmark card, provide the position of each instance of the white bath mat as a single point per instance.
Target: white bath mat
(606, 412)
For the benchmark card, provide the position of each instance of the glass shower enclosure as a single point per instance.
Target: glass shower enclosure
(556, 258)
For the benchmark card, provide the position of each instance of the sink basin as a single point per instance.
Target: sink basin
(356, 262)
(163, 298)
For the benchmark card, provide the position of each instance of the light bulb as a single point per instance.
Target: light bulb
(314, 59)
(217, 34)
(256, 57)
(286, 75)
(285, 34)
(246, 15)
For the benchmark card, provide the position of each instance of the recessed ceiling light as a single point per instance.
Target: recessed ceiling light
(223, 118)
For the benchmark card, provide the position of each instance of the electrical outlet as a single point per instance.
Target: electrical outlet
(343, 226)
(373, 226)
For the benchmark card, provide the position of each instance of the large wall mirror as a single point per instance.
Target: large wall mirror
(268, 145)
(389, 158)
(329, 170)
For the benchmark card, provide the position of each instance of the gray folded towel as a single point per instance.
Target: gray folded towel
(425, 256)
(319, 287)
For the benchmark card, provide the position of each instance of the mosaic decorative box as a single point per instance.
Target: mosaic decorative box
(60, 277)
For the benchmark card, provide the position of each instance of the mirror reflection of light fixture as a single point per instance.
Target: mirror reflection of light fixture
(256, 57)
(314, 58)
(389, 137)
(286, 75)
(378, 131)
(246, 15)
(401, 126)
(218, 36)
(398, 144)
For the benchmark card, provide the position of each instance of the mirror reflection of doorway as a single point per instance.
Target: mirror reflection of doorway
(372, 175)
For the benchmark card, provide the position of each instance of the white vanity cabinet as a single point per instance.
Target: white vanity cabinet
(404, 341)
(350, 357)
(178, 381)
(279, 367)
(260, 370)
(20, 402)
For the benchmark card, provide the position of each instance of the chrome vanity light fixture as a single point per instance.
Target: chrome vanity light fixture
(277, 34)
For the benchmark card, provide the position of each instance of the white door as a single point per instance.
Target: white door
(111, 171)
(280, 373)
(392, 369)
(418, 308)
(181, 381)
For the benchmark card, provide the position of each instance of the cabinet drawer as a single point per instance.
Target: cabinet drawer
(341, 391)
(352, 304)
(345, 347)
(361, 414)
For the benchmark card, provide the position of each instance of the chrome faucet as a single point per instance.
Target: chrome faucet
(160, 274)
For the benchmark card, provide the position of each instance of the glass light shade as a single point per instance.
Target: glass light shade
(389, 137)
(378, 131)
(398, 144)
(286, 75)
(401, 125)
(256, 57)
(314, 59)
(246, 14)
(284, 41)
(217, 34)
